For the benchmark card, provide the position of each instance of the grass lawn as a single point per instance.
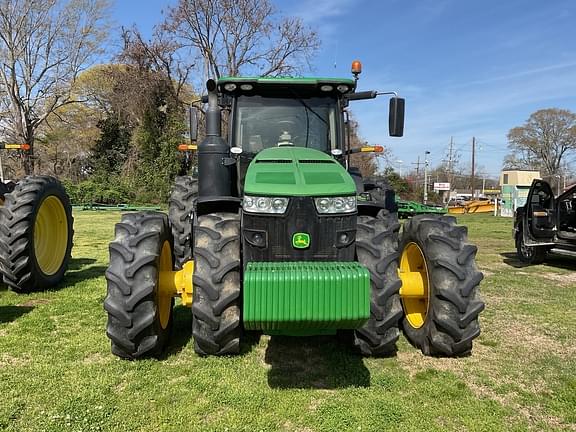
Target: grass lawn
(57, 373)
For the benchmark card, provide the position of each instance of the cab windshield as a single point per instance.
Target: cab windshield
(262, 122)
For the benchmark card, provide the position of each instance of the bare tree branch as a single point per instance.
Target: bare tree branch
(44, 45)
(543, 142)
(242, 37)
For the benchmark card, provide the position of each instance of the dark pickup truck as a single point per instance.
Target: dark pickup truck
(545, 224)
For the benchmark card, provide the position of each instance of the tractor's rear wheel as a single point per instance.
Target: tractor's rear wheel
(440, 282)
(377, 250)
(180, 212)
(36, 231)
(139, 310)
(216, 324)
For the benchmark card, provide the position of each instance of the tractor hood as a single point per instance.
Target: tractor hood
(297, 171)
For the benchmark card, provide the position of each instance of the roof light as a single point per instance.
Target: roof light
(336, 152)
(230, 87)
(326, 88)
(342, 88)
(246, 87)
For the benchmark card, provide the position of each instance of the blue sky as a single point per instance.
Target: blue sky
(466, 68)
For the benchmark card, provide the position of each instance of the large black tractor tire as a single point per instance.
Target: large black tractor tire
(139, 316)
(180, 212)
(216, 306)
(4, 189)
(36, 231)
(529, 254)
(452, 304)
(377, 250)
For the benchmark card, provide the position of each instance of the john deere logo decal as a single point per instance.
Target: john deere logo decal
(301, 240)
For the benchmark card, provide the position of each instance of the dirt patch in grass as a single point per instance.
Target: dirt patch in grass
(96, 358)
(514, 338)
(6, 360)
(565, 279)
(523, 337)
(35, 302)
(485, 361)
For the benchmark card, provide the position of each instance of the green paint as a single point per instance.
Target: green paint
(411, 208)
(301, 240)
(305, 172)
(282, 81)
(305, 296)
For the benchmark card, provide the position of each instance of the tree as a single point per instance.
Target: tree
(543, 142)
(365, 162)
(44, 45)
(242, 36)
(163, 55)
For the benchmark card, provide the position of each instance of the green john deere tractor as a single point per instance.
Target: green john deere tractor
(276, 234)
(36, 231)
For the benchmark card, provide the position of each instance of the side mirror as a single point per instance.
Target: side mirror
(193, 123)
(396, 117)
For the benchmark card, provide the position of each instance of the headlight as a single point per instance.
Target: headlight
(276, 205)
(330, 205)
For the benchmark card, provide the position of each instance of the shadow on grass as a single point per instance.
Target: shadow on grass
(511, 259)
(552, 260)
(181, 331)
(79, 263)
(182, 334)
(11, 313)
(319, 362)
(80, 270)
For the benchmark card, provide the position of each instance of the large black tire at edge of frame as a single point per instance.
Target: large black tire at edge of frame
(18, 263)
(216, 306)
(134, 326)
(377, 250)
(451, 322)
(180, 212)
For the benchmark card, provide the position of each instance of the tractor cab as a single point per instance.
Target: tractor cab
(285, 112)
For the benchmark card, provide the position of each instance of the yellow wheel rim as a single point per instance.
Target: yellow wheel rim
(51, 235)
(415, 291)
(164, 293)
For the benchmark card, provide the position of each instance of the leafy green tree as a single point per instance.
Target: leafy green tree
(110, 151)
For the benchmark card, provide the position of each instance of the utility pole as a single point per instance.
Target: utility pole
(426, 153)
(417, 167)
(473, 163)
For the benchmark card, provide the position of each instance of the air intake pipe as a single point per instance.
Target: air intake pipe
(214, 177)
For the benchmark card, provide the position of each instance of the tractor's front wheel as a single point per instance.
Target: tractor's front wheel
(377, 250)
(216, 324)
(440, 282)
(139, 309)
(36, 230)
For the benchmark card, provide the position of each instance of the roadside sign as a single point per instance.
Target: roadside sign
(441, 186)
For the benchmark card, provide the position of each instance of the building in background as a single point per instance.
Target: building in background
(515, 185)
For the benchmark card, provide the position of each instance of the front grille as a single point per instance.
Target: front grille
(316, 161)
(326, 234)
(274, 161)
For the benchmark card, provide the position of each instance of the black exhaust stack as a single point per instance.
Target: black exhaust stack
(214, 177)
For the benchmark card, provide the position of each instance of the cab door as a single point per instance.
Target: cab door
(540, 215)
